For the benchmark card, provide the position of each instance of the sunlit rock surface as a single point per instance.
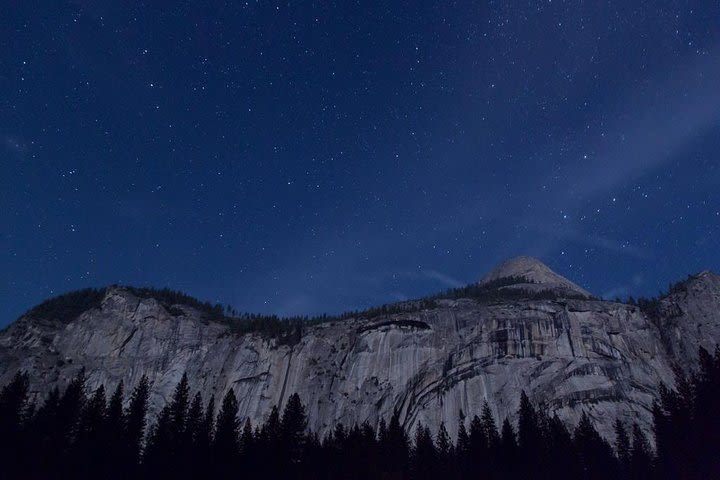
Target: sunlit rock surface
(572, 355)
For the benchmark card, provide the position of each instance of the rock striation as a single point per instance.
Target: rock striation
(572, 353)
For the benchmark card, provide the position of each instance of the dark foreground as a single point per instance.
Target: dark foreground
(80, 434)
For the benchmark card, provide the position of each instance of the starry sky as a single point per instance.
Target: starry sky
(307, 157)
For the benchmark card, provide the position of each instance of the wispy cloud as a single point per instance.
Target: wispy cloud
(641, 144)
(444, 279)
(622, 291)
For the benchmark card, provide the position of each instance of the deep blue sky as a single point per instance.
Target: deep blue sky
(302, 157)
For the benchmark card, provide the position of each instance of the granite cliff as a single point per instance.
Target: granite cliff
(428, 359)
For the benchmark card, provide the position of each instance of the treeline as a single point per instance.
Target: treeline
(651, 305)
(67, 307)
(76, 434)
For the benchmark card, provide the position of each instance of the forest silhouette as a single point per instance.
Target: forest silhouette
(79, 434)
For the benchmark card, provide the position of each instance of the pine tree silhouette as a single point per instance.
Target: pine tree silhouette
(134, 423)
(248, 448)
(424, 455)
(396, 448)
(622, 448)
(508, 450)
(113, 431)
(73, 435)
(190, 435)
(159, 450)
(560, 450)
(226, 446)
(640, 455)
(89, 448)
(463, 448)
(445, 452)
(529, 437)
(293, 425)
(594, 453)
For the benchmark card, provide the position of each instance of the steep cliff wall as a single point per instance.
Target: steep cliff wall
(572, 355)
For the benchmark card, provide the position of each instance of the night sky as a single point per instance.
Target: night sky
(300, 157)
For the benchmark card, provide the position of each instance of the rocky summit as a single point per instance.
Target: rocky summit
(523, 327)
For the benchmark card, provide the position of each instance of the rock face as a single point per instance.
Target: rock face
(539, 276)
(570, 354)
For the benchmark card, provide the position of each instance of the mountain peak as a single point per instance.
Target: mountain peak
(539, 276)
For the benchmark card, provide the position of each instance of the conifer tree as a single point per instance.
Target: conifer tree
(560, 450)
(158, 452)
(489, 427)
(529, 437)
(382, 432)
(114, 424)
(424, 454)
(203, 439)
(178, 410)
(368, 455)
(445, 450)
(247, 447)
(191, 431)
(640, 455)
(89, 449)
(270, 440)
(70, 405)
(507, 451)
(135, 422)
(226, 443)
(293, 424)
(622, 447)
(397, 448)
(463, 448)
(595, 455)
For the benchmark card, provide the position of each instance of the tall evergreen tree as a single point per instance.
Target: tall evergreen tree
(69, 408)
(194, 418)
(485, 440)
(158, 457)
(560, 450)
(424, 455)
(594, 453)
(478, 439)
(462, 449)
(178, 410)
(445, 451)
(507, 452)
(114, 427)
(89, 448)
(529, 437)
(293, 425)
(640, 455)
(203, 439)
(135, 420)
(622, 447)
(226, 446)
(397, 448)
(247, 448)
